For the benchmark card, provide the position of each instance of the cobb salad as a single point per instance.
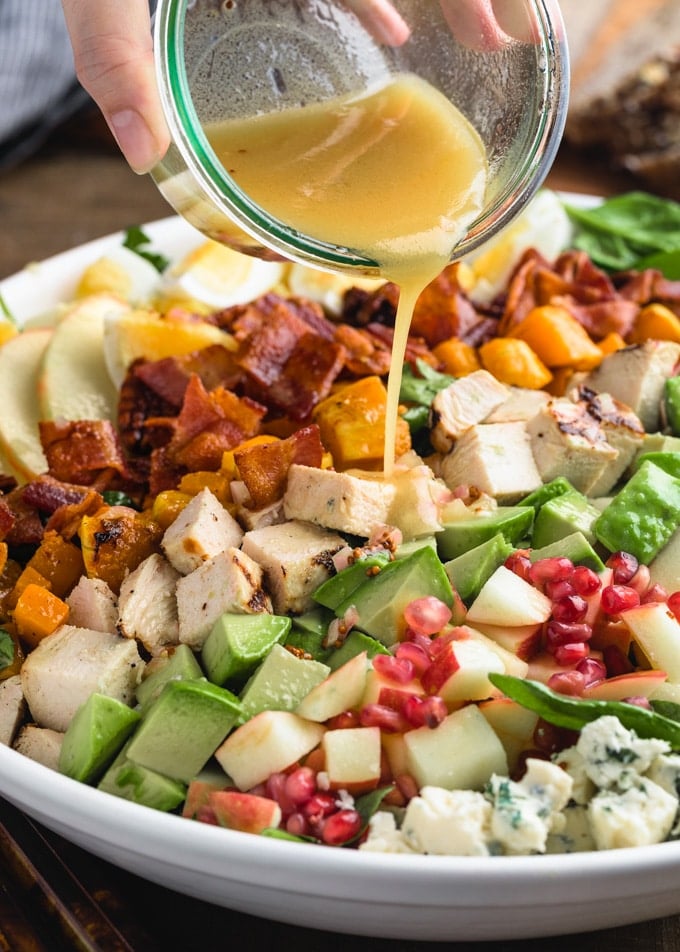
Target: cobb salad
(214, 604)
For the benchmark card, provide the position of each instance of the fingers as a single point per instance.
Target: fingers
(381, 20)
(474, 23)
(114, 62)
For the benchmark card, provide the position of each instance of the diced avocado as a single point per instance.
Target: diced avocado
(664, 569)
(668, 462)
(181, 665)
(354, 644)
(141, 785)
(553, 489)
(98, 730)
(408, 548)
(575, 547)
(280, 682)
(380, 601)
(513, 522)
(643, 516)
(339, 587)
(469, 571)
(570, 512)
(671, 398)
(308, 632)
(183, 728)
(237, 644)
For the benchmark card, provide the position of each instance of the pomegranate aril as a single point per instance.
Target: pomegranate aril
(618, 598)
(567, 682)
(624, 565)
(592, 670)
(559, 589)
(571, 654)
(386, 718)
(555, 569)
(519, 563)
(427, 615)
(640, 581)
(584, 581)
(275, 789)
(564, 633)
(297, 825)
(340, 827)
(674, 604)
(300, 785)
(616, 661)
(639, 701)
(425, 712)
(399, 670)
(570, 608)
(655, 593)
(415, 654)
(318, 807)
(549, 738)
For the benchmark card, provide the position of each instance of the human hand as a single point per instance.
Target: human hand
(113, 55)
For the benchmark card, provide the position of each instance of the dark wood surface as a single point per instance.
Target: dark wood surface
(76, 189)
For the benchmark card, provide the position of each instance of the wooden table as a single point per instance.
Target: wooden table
(68, 194)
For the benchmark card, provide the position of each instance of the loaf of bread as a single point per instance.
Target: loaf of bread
(625, 96)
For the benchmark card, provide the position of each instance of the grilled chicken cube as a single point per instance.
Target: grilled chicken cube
(203, 529)
(296, 558)
(259, 518)
(567, 441)
(337, 501)
(622, 429)
(147, 604)
(73, 663)
(637, 376)
(463, 403)
(93, 604)
(12, 708)
(229, 582)
(522, 404)
(41, 744)
(496, 458)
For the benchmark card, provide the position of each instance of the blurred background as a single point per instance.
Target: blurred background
(71, 185)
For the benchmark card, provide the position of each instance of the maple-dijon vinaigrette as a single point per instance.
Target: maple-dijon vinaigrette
(397, 174)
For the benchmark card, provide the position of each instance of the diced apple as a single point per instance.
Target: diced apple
(352, 758)
(543, 666)
(377, 682)
(606, 578)
(460, 672)
(509, 717)
(512, 664)
(608, 632)
(246, 812)
(657, 631)
(395, 751)
(267, 743)
(506, 599)
(342, 690)
(197, 796)
(524, 641)
(666, 692)
(461, 753)
(635, 684)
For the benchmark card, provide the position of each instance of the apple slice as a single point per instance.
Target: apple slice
(342, 690)
(246, 812)
(524, 641)
(352, 758)
(20, 361)
(267, 743)
(657, 631)
(376, 683)
(74, 383)
(460, 672)
(514, 725)
(506, 599)
(618, 688)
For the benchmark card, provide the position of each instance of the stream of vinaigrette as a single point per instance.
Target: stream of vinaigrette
(397, 175)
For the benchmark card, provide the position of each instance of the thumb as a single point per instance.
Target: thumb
(113, 55)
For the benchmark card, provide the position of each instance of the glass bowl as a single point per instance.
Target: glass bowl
(221, 60)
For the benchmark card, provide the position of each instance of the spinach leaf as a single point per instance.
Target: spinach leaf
(7, 649)
(627, 229)
(137, 240)
(667, 262)
(422, 388)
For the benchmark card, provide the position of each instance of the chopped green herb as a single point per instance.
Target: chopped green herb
(7, 649)
(5, 311)
(422, 388)
(136, 240)
(114, 497)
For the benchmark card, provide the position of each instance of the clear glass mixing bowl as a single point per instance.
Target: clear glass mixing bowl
(225, 59)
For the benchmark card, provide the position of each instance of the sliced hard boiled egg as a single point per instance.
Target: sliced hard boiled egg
(325, 288)
(218, 276)
(122, 272)
(146, 334)
(543, 224)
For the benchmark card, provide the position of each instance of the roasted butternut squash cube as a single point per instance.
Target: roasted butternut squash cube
(115, 540)
(352, 425)
(38, 613)
(58, 561)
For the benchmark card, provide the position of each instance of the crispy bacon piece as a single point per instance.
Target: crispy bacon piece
(7, 519)
(267, 348)
(362, 307)
(67, 518)
(27, 527)
(365, 354)
(207, 425)
(416, 348)
(264, 467)
(47, 494)
(84, 452)
(169, 377)
(443, 310)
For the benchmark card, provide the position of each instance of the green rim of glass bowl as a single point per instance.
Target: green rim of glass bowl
(202, 162)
